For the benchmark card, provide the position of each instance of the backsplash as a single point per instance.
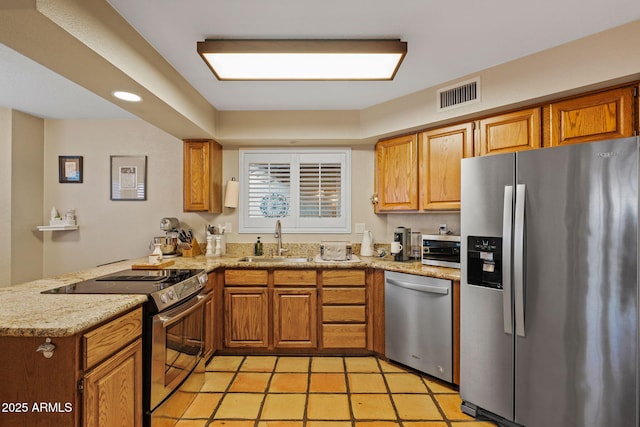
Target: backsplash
(294, 249)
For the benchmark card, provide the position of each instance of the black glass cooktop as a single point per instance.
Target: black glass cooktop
(142, 282)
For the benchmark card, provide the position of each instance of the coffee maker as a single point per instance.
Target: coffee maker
(403, 236)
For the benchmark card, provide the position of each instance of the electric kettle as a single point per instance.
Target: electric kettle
(366, 248)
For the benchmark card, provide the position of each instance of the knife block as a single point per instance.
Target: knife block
(194, 251)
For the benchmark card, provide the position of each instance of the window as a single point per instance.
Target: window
(307, 190)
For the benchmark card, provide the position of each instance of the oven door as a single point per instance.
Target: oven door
(177, 345)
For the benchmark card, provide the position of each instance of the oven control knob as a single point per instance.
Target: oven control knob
(163, 298)
(172, 294)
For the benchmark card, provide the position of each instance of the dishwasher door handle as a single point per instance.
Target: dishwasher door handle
(420, 288)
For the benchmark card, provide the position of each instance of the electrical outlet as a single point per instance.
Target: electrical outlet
(227, 227)
(359, 227)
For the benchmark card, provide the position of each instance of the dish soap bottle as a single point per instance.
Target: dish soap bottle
(257, 249)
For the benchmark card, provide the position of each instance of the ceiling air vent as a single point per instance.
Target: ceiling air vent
(461, 94)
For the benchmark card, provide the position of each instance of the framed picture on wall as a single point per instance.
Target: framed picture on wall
(128, 177)
(70, 169)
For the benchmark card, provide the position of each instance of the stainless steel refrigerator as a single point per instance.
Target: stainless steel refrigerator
(549, 286)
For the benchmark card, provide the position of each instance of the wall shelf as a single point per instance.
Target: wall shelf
(57, 227)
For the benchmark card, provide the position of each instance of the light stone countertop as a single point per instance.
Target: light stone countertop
(24, 311)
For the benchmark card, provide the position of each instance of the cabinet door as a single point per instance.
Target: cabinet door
(510, 132)
(202, 181)
(294, 318)
(594, 117)
(397, 174)
(246, 317)
(209, 327)
(113, 390)
(440, 152)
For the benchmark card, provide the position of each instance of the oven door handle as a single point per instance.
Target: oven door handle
(172, 316)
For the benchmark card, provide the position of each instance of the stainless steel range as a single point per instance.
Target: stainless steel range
(173, 331)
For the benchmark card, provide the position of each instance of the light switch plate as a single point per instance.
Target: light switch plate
(359, 227)
(227, 227)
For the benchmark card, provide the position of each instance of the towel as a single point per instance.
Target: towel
(334, 251)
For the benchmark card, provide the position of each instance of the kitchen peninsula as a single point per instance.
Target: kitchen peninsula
(97, 338)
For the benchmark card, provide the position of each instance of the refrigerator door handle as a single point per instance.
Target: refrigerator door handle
(507, 220)
(518, 259)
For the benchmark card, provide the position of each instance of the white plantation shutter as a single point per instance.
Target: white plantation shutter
(307, 190)
(269, 190)
(320, 188)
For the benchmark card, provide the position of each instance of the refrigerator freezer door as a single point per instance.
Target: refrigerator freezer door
(577, 362)
(486, 350)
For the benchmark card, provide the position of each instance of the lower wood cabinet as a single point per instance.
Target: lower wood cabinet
(270, 309)
(246, 317)
(112, 383)
(344, 309)
(113, 390)
(209, 328)
(294, 317)
(93, 378)
(295, 309)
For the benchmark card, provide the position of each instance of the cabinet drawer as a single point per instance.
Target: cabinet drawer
(343, 314)
(294, 277)
(245, 277)
(343, 296)
(344, 336)
(106, 340)
(343, 278)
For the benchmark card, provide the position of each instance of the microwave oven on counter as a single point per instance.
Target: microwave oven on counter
(441, 250)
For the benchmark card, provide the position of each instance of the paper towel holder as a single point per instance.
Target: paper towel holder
(231, 194)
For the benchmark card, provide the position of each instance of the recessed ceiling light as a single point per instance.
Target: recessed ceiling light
(127, 96)
(303, 59)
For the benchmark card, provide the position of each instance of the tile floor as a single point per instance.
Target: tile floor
(278, 391)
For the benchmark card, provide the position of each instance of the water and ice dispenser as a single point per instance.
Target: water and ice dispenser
(484, 261)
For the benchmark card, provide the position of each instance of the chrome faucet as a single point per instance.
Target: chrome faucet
(278, 235)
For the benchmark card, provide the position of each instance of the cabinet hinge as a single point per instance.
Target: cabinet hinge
(635, 91)
(81, 386)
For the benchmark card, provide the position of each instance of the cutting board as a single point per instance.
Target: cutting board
(158, 266)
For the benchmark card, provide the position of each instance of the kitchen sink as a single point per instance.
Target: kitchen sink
(275, 259)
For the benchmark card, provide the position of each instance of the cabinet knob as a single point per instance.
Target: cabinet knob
(374, 198)
(47, 348)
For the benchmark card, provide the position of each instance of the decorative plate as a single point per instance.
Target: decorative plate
(274, 205)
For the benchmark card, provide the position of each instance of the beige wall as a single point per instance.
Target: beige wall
(108, 230)
(27, 196)
(21, 195)
(5, 195)
(114, 230)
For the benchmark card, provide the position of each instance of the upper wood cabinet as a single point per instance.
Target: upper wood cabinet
(202, 181)
(506, 133)
(593, 117)
(396, 181)
(440, 152)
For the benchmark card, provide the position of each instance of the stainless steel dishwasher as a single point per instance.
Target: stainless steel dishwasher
(418, 323)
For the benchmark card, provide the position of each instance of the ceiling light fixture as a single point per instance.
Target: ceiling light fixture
(127, 96)
(303, 59)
